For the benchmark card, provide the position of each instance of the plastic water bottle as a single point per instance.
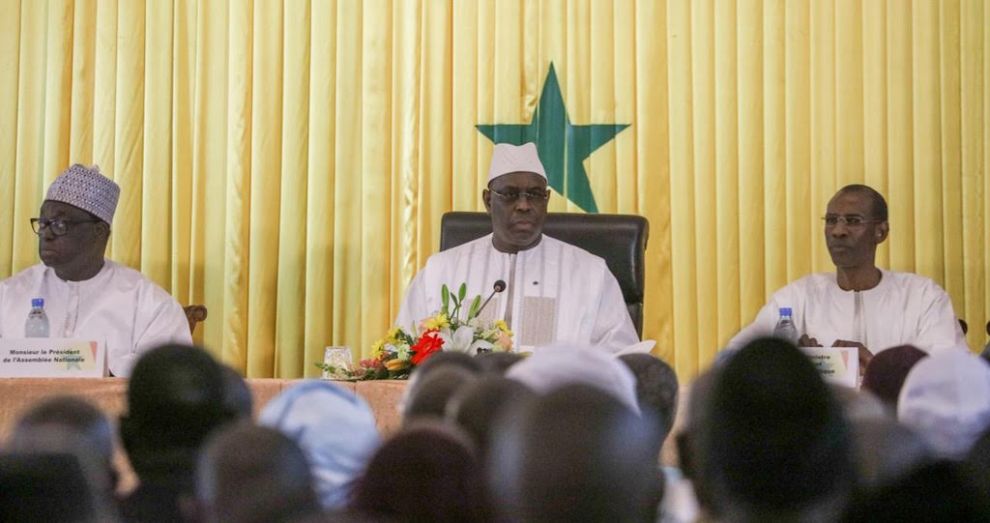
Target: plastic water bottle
(785, 328)
(36, 325)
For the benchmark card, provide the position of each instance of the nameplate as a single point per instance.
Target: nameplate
(52, 358)
(836, 364)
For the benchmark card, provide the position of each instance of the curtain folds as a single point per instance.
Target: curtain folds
(286, 162)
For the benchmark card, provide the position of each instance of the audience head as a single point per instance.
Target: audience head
(560, 364)
(426, 472)
(437, 361)
(71, 425)
(434, 391)
(946, 401)
(938, 491)
(237, 394)
(476, 407)
(49, 487)
(656, 390)
(249, 474)
(335, 429)
(781, 447)
(690, 440)
(575, 454)
(885, 451)
(885, 373)
(175, 398)
(496, 362)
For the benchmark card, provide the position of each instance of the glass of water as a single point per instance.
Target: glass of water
(341, 360)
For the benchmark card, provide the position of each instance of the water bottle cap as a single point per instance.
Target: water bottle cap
(785, 311)
(37, 303)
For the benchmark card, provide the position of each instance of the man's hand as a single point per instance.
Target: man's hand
(864, 354)
(807, 341)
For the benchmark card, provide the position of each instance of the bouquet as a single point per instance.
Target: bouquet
(395, 355)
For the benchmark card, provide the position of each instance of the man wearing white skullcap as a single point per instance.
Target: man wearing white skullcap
(554, 291)
(85, 295)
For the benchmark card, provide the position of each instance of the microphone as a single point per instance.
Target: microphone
(498, 287)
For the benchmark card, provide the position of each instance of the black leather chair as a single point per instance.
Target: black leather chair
(618, 238)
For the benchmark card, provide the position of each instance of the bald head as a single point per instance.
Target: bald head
(248, 473)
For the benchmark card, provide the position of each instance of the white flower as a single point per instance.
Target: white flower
(459, 341)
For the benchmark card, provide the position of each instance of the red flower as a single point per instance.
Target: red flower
(429, 343)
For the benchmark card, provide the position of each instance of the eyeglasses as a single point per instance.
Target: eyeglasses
(849, 220)
(58, 227)
(533, 195)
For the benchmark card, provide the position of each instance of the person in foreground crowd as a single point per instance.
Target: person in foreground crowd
(426, 472)
(476, 407)
(574, 454)
(554, 291)
(778, 447)
(560, 364)
(334, 427)
(657, 392)
(934, 492)
(175, 399)
(85, 295)
(252, 474)
(885, 374)
(49, 487)
(946, 401)
(66, 424)
(861, 305)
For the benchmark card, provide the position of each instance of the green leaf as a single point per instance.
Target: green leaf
(444, 299)
(475, 305)
(462, 292)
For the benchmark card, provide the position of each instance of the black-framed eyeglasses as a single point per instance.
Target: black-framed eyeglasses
(57, 226)
(849, 220)
(512, 196)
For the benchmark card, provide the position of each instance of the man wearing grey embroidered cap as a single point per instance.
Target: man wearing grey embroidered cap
(554, 291)
(85, 295)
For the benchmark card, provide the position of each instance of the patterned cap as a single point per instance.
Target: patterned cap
(86, 188)
(508, 159)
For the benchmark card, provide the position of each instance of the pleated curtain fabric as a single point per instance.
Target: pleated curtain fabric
(286, 162)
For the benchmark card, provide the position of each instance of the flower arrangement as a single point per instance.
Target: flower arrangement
(398, 352)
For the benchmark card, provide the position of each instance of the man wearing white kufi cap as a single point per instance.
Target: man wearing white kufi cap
(86, 296)
(554, 292)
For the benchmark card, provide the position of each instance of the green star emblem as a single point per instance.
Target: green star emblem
(562, 146)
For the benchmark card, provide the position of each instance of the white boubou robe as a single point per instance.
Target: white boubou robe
(555, 292)
(902, 309)
(118, 306)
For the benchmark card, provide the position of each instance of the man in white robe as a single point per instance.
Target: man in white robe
(861, 305)
(86, 296)
(554, 291)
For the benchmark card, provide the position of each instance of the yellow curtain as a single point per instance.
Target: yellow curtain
(286, 162)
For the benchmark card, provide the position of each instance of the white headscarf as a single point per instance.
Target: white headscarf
(560, 364)
(946, 400)
(334, 427)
